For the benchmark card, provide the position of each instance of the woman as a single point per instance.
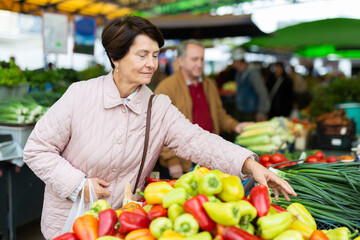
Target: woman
(96, 130)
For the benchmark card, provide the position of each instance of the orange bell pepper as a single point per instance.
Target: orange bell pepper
(201, 171)
(86, 227)
(318, 235)
(140, 234)
(171, 235)
(132, 207)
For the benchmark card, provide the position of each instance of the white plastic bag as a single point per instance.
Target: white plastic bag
(80, 207)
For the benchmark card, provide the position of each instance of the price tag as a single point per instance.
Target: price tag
(336, 142)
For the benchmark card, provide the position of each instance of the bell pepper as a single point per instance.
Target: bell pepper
(159, 225)
(98, 206)
(147, 207)
(200, 236)
(195, 206)
(171, 235)
(277, 208)
(174, 211)
(190, 182)
(155, 192)
(176, 195)
(172, 182)
(67, 236)
(218, 237)
(156, 211)
(358, 238)
(132, 207)
(248, 211)
(300, 212)
(302, 227)
(210, 184)
(225, 213)
(219, 173)
(86, 227)
(320, 235)
(248, 227)
(272, 225)
(340, 233)
(235, 233)
(130, 221)
(186, 225)
(220, 228)
(260, 199)
(200, 171)
(289, 235)
(107, 220)
(140, 234)
(232, 189)
(213, 199)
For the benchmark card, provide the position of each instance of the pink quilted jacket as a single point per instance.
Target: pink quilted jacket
(90, 132)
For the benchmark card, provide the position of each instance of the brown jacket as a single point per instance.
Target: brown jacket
(175, 87)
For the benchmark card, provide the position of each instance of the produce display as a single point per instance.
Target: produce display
(20, 111)
(330, 191)
(268, 136)
(203, 205)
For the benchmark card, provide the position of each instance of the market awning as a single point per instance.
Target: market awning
(206, 26)
(338, 36)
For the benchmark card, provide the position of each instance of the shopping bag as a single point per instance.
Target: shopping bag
(79, 207)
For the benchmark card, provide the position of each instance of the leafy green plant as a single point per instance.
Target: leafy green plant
(11, 76)
(340, 90)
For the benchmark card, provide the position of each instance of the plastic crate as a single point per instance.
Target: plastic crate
(19, 133)
(326, 225)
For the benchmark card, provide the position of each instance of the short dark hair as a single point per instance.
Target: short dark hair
(119, 34)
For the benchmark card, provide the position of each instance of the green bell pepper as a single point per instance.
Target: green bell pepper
(186, 225)
(159, 225)
(272, 225)
(340, 233)
(190, 182)
(210, 184)
(225, 213)
(289, 235)
(147, 207)
(175, 196)
(213, 199)
(232, 189)
(248, 227)
(174, 211)
(200, 236)
(248, 211)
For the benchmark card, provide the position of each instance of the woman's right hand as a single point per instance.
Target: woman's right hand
(99, 187)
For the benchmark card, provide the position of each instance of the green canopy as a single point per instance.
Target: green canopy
(338, 36)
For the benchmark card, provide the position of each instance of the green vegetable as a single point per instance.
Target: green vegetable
(260, 139)
(186, 225)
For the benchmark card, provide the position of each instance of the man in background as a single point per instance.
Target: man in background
(252, 96)
(197, 98)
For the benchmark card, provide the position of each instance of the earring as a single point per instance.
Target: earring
(117, 68)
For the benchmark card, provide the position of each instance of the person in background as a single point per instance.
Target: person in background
(281, 93)
(197, 97)
(95, 131)
(252, 96)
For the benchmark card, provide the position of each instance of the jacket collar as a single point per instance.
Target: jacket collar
(112, 97)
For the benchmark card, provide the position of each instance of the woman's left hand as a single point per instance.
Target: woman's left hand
(266, 177)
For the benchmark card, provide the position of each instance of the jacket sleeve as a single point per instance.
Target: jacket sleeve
(191, 142)
(226, 122)
(42, 152)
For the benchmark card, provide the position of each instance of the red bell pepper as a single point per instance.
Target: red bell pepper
(130, 221)
(194, 206)
(277, 208)
(235, 233)
(86, 227)
(156, 211)
(67, 236)
(107, 220)
(260, 199)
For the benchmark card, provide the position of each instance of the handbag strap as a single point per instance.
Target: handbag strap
(146, 143)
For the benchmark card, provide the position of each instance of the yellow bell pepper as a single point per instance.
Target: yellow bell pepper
(340, 233)
(272, 225)
(302, 227)
(200, 171)
(155, 192)
(232, 189)
(171, 235)
(289, 235)
(301, 213)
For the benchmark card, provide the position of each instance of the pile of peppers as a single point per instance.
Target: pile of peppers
(201, 205)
